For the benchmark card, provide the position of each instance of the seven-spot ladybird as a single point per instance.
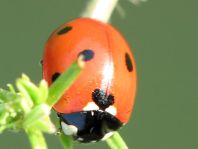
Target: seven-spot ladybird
(101, 99)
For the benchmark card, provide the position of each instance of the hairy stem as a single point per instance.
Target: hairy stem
(37, 139)
(100, 9)
(116, 142)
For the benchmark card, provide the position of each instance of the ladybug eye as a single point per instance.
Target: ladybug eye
(64, 30)
(55, 76)
(128, 62)
(87, 54)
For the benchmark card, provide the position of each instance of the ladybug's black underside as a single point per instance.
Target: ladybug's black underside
(91, 125)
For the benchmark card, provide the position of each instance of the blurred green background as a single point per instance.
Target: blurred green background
(164, 37)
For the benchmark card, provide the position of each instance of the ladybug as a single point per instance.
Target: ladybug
(101, 99)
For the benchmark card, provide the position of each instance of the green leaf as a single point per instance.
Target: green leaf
(30, 90)
(37, 113)
(43, 87)
(7, 96)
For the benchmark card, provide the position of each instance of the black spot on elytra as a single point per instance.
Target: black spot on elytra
(128, 62)
(64, 30)
(102, 99)
(55, 76)
(87, 54)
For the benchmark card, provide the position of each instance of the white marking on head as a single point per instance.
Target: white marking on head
(106, 136)
(90, 106)
(112, 110)
(69, 129)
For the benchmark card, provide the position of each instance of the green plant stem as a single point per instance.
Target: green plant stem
(67, 141)
(100, 9)
(37, 139)
(57, 89)
(116, 142)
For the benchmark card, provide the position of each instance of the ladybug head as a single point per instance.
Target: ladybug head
(89, 126)
(96, 122)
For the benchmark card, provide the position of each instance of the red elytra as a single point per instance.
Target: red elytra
(109, 66)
